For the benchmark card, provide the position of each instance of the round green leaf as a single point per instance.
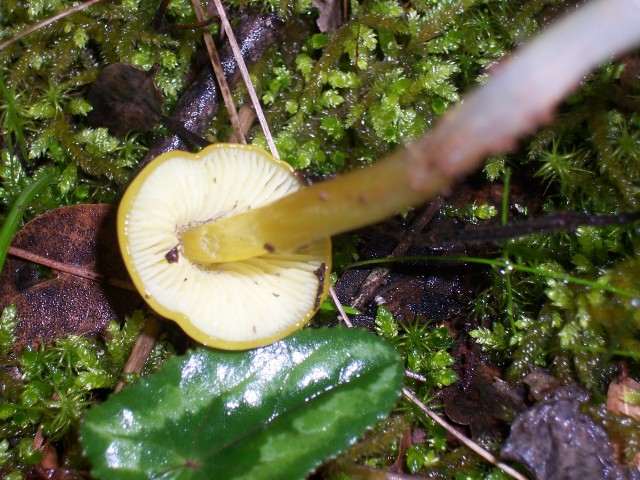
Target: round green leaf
(273, 412)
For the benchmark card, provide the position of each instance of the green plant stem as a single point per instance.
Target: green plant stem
(518, 98)
(17, 210)
(502, 264)
(592, 349)
(505, 251)
(12, 122)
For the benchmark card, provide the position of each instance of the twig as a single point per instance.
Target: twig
(142, 348)
(246, 116)
(70, 269)
(410, 395)
(343, 314)
(47, 22)
(360, 471)
(247, 79)
(416, 376)
(200, 102)
(217, 68)
(461, 438)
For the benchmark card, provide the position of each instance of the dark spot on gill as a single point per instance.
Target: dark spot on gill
(269, 248)
(172, 255)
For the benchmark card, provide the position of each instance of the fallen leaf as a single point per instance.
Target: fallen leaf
(555, 440)
(486, 405)
(329, 14)
(81, 236)
(124, 98)
(617, 405)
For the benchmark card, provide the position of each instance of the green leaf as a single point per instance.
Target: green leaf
(319, 40)
(274, 412)
(12, 220)
(386, 325)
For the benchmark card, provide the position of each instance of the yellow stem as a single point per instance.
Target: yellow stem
(520, 96)
(351, 201)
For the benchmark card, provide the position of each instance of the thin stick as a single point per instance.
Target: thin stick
(47, 22)
(142, 348)
(247, 79)
(70, 269)
(416, 376)
(343, 314)
(461, 438)
(217, 69)
(410, 395)
(247, 116)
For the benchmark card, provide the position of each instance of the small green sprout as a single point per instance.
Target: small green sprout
(425, 347)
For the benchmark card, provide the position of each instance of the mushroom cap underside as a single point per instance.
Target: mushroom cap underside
(231, 305)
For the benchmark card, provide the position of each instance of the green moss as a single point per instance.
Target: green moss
(425, 348)
(383, 77)
(59, 62)
(57, 383)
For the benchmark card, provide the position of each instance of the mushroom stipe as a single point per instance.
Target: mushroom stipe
(232, 305)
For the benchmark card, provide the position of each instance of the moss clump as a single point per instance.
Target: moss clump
(45, 75)
(382, 78)
(46, 389)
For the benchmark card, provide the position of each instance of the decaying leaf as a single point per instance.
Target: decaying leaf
(555, 440)
(486, 405)
(124, 98)
(329, 14)
(80, 236)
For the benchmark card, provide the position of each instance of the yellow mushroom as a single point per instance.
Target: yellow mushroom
(232, 305)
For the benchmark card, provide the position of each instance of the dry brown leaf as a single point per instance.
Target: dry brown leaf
(556, 441)
(486, 405)
(330, 16)
(82, 236)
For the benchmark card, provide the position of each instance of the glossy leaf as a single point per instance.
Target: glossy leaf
(274, 412)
